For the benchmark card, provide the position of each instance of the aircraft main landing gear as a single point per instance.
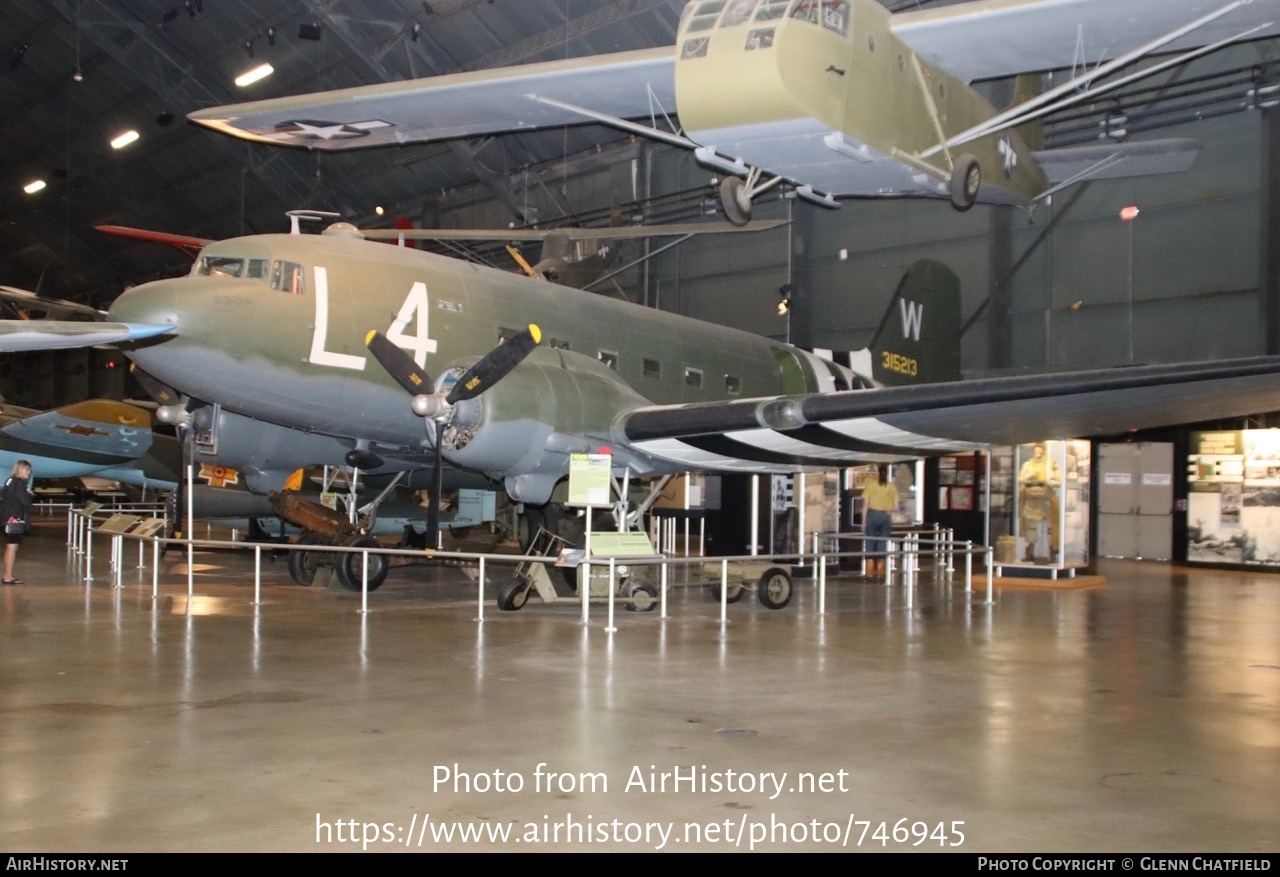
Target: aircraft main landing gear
(966, 180)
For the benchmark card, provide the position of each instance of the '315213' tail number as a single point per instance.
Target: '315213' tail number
(896, 362)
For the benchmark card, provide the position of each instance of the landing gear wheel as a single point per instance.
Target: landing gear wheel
(513, 595)
(735, 200)
(642, 597)
(966, 179)
(774, 589)
(734, 595)
(351, 566)
(303, 564)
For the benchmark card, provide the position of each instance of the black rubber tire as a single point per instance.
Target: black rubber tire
(735, 592)
(303, 564)
(774, 589)
(642, 596)
(513, 595)
(734, 200)
(351, 566)
(966, 180)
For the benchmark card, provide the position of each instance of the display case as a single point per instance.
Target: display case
(1049, 519)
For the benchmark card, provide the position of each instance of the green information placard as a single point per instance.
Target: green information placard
(614, 544)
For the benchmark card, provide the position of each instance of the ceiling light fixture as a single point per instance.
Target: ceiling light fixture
(123, 140)
(249, 77)
(34, 186)
(271, 36)
(248, 48)
(309, 32)
(417, 29)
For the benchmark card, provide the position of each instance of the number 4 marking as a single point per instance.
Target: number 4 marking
(415, 304)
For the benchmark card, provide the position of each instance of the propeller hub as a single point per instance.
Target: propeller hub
(429, 405)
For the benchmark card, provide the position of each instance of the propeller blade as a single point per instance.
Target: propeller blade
(437, 486)
(495, 365)
(398, 363)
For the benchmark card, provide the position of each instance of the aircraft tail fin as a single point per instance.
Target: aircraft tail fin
(918, 340)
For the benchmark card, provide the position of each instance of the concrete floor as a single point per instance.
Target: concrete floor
(1139, 716)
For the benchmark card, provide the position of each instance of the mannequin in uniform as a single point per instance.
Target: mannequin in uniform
(1038, 480)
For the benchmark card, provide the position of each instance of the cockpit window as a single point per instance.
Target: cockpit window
(704, 15)
(737, 12)
(833, 14)
(288, 277)
(230, 266)
(771, 10)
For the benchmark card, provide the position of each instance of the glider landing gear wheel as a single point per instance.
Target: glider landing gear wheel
(733, 596)
(303, 564)
(351, 566)
(774, 589)
(735, 200)
(513, 595)
(642, 597)
(966, 179)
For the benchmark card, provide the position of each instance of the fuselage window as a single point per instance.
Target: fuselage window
(288, 277)
(732, 385)
(506, 333)
(609, 358)
(759, 38)
(693, 378)
(695, 48)
(652, 368)
(557, 344)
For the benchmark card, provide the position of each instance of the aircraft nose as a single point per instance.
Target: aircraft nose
(154, 303)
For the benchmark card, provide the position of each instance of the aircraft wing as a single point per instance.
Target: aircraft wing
(1004, 37)
(57, 334)
(80, 438)
(834, 429)
(625, 84)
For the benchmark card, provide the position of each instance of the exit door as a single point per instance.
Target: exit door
(1135, 500)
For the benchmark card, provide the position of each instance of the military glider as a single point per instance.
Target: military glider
(831, 97)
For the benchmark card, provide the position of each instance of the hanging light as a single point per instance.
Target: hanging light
(249, 77)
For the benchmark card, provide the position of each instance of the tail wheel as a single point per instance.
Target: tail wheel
(774, 589)
(735, 200)
(351, 566)
(966, 180)
(303, 564)
(642, 597)
(513, 595)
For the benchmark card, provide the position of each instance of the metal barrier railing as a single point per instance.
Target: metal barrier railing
(904, 553)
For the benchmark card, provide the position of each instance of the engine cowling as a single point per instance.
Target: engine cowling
(548, 407)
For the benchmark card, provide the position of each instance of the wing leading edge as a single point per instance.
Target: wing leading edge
(625, 84)
(835, 429)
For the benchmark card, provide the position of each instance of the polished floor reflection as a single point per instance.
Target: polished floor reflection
(1140, 716)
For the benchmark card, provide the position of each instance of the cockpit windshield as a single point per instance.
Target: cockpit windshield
(230, 266)
(278, 274)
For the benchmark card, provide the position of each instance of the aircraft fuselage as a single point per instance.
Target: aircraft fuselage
(283, 341)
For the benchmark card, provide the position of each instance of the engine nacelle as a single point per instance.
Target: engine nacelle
(533, 418)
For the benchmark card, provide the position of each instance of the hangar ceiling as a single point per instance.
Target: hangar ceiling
(75, 73)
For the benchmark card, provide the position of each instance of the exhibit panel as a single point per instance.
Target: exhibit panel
(1233, 497)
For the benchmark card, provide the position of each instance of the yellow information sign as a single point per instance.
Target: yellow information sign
(589, 479)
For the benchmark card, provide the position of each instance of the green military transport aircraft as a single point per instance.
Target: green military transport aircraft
(319, 335)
